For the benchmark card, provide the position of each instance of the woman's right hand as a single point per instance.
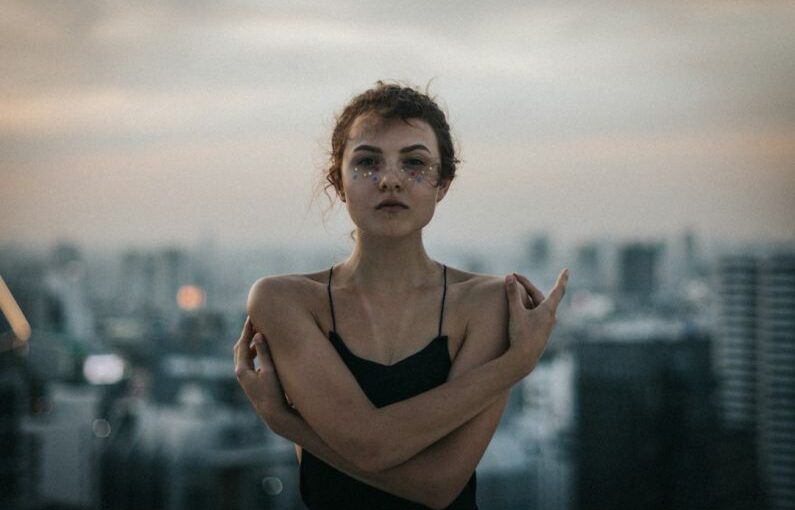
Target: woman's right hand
(261, 385)
(532, 316)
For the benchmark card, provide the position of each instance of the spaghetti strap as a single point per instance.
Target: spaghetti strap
(331, 301)
(444, 293)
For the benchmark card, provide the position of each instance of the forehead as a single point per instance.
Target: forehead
(394, 133)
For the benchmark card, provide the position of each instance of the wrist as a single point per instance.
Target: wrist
(519, 362)
(277, 419)
(270, 413)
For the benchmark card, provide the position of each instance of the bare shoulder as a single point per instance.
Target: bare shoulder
(476, 291)
(484, 306)
(293, 290)
(481, 297)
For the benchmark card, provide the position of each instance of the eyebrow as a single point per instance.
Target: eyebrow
(404, 150)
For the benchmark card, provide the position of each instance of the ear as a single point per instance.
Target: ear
(441, 190)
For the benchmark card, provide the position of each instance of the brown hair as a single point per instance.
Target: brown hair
(390, 100)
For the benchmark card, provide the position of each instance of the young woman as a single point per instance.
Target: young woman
(390, 370)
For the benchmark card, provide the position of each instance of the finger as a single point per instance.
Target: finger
(527, 301)
(243, 361)
(535, 294)
(557, 292)
(514, 291)
(263, 353)
(264, 356)
(248, 328)
(245, 335)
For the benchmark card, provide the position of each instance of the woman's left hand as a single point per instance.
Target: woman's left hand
(261, 385)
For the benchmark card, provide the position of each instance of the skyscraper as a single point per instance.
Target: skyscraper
(643, 416)
(776, 379)
(734, 353)
(638, 271)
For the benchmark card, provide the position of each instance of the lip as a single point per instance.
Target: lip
(391, 202)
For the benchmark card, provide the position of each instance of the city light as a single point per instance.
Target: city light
(190, 297)
(103, 369)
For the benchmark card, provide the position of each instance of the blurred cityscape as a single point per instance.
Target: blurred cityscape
(669, 382)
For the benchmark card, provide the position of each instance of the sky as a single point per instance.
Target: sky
(172, 121)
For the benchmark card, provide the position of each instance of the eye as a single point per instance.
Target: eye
(367, 163)
(414, 164)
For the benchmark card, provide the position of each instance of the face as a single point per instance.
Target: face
(390, 159)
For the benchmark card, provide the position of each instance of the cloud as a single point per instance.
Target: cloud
(585, 85)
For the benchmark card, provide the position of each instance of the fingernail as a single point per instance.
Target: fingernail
(511, 279)
(258, 338)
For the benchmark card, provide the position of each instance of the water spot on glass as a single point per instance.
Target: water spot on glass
(272, 485)
(101, 428)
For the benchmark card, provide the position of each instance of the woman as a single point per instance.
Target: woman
(384, 418)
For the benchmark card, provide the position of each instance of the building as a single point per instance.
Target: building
(16, 455)
(197, 455)
(735, 349)
(643, 416)
(775, 363)
(638, 272)
(545, 430)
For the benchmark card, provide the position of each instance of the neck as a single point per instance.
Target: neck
(388, 264)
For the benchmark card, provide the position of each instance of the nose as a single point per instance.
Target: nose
(391, 179)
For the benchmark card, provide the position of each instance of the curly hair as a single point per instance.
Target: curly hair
(388, 101)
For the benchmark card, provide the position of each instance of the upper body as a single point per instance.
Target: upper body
(392, 146)
(400, 339)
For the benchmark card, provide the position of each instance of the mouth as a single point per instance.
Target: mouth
(391, 205)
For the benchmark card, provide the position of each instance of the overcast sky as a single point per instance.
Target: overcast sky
(164, 121)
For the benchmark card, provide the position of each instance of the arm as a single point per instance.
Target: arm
(438, 474)
(329, 399)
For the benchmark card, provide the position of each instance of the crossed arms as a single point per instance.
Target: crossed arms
(424, 448)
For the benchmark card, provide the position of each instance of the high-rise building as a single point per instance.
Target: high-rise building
(590, 266)
(66, 290)
(16, 458)
(776, 379)
(753, 358)
(643, 416)
(150, 281)
(66, 444)
(197, 455)
(545, 429)
(539, 249)
(638, 272)
(734, 353)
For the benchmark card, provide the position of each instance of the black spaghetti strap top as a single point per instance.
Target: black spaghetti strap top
(325, 487)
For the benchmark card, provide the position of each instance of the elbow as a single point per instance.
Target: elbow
(442, 490)
(437, 490)
(375, 448)
(370, 458)
(441, 500)
(376, 453)
(438, 503)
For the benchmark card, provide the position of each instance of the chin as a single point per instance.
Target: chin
(375, 225)
(394, 229)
